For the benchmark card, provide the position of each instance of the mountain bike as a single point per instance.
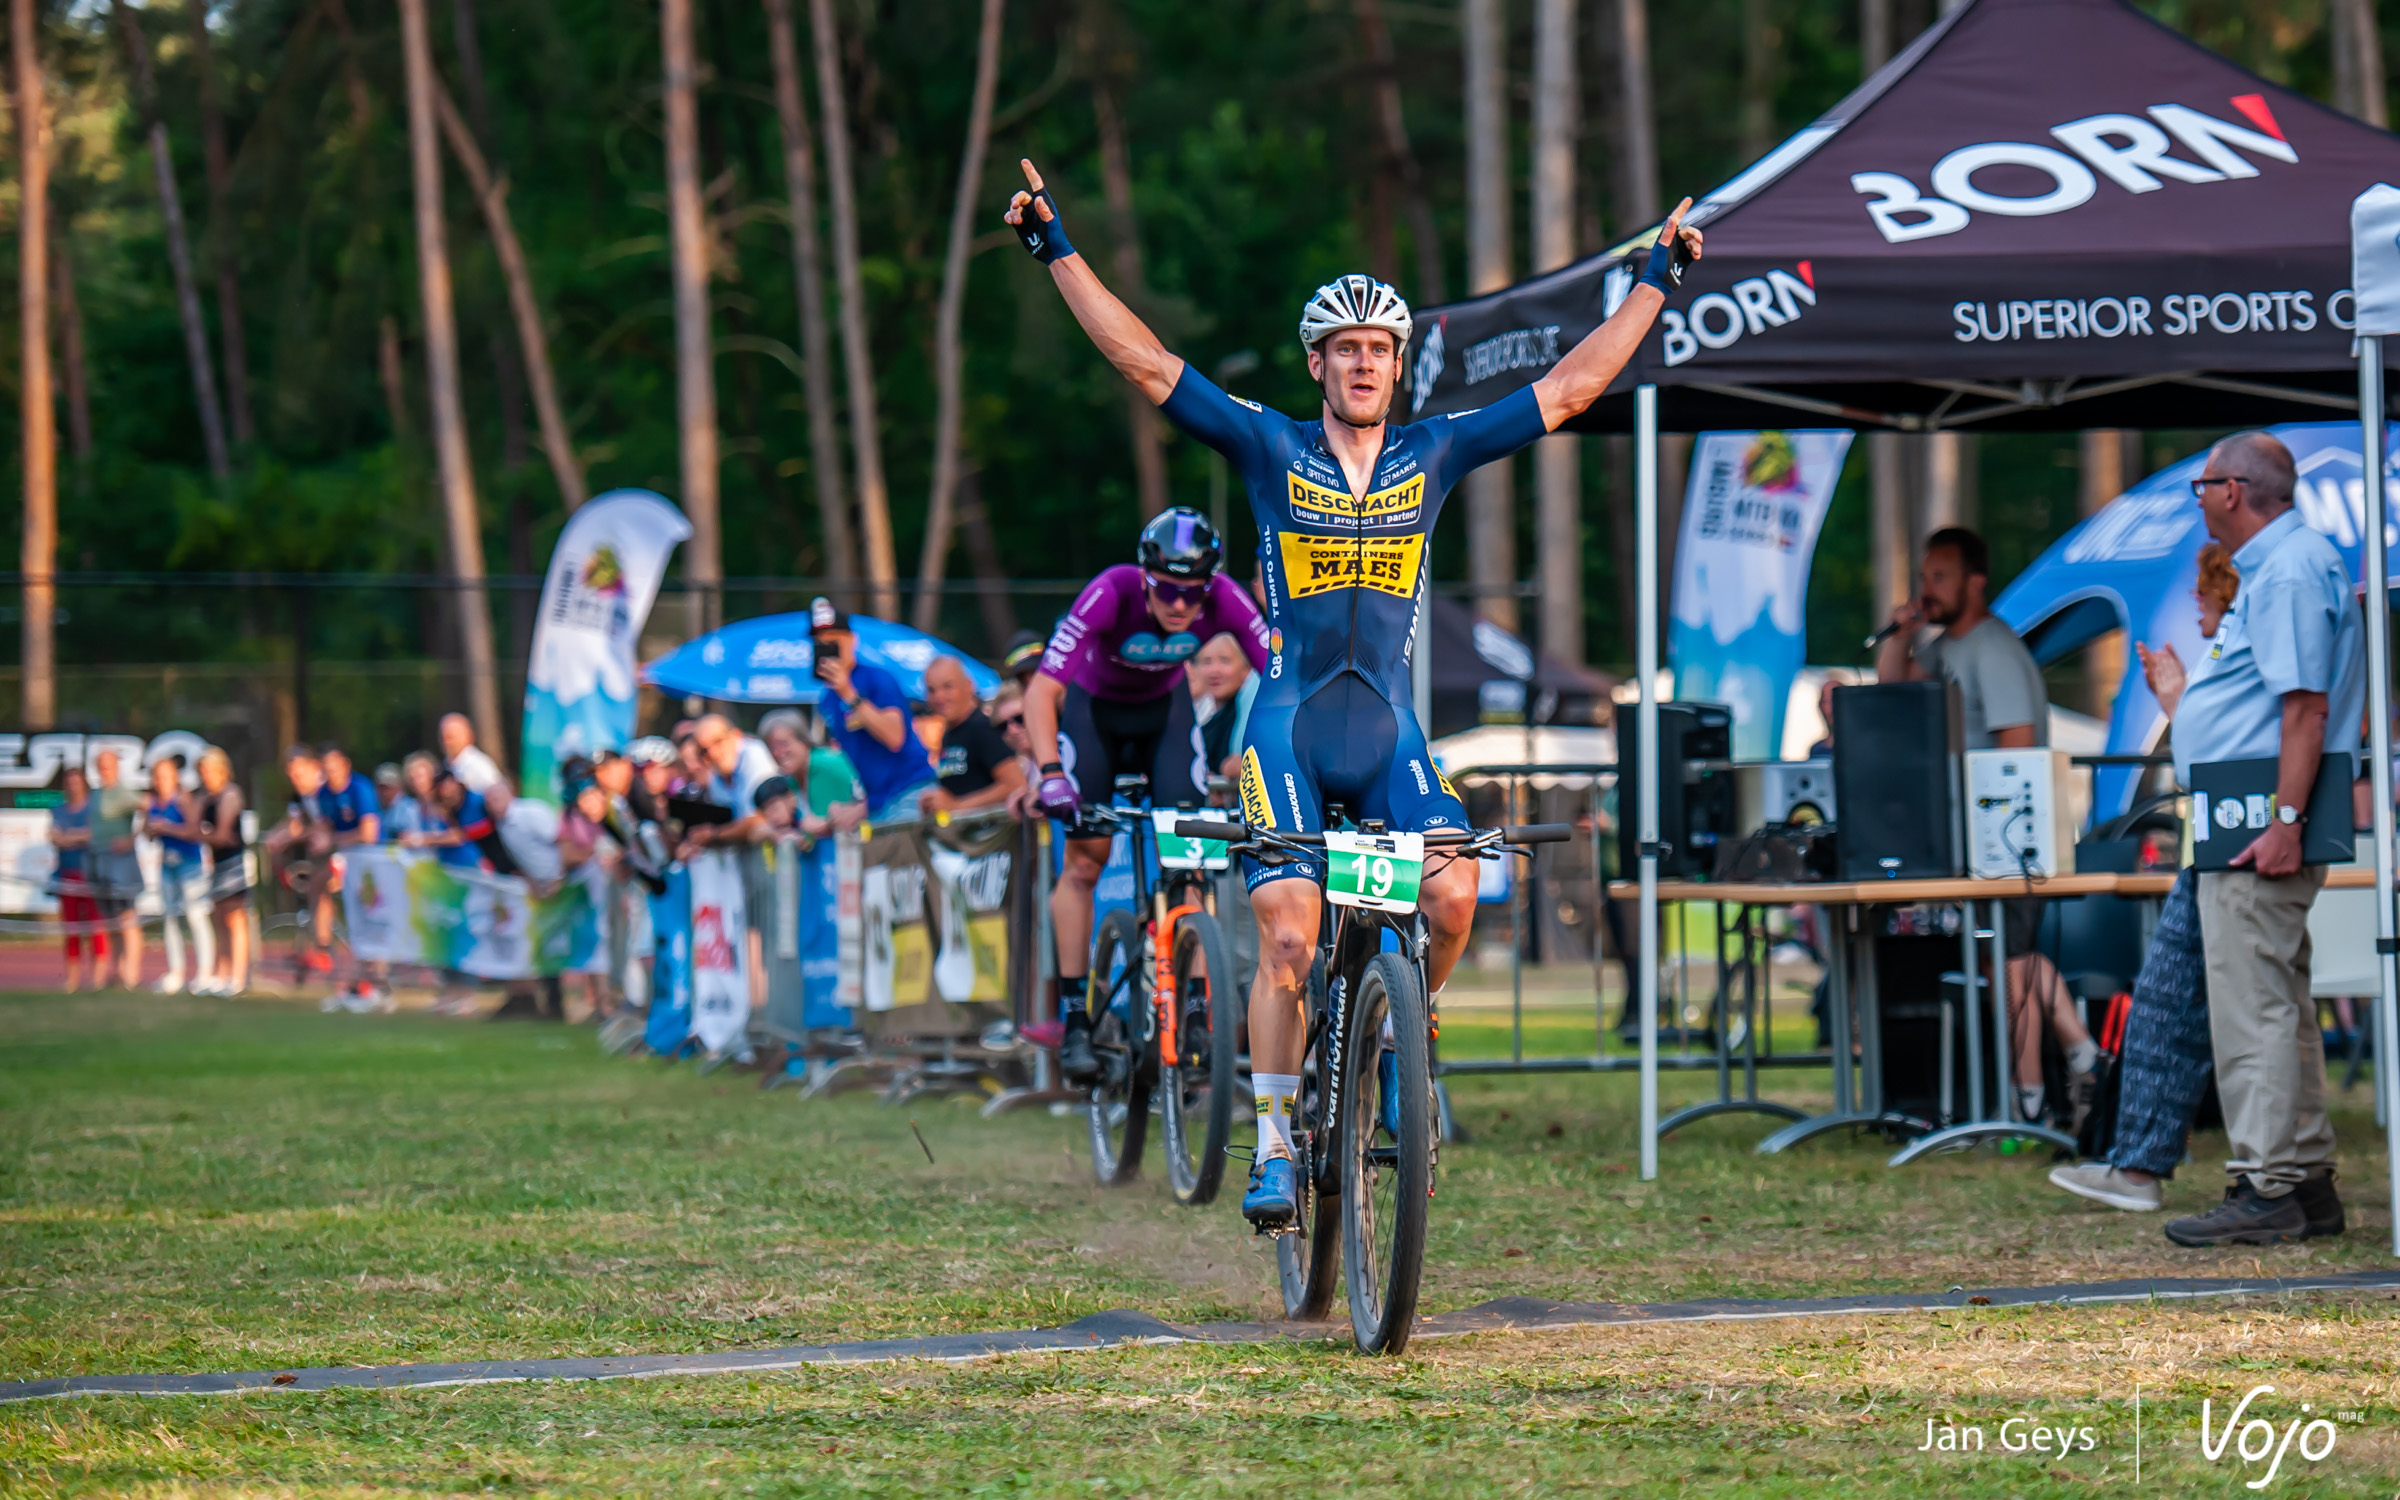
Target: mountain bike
(1368, 1185)
(1162, 1039)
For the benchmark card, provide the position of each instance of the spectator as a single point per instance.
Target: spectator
(352, 810)
(527, 830)
(71, 882)
(1023, 657)
(2006, 706)
(303, 843)
(868, 715)
(691, 761)
(115, 872)
(653, 778)
(410, 809)
(221, 808)
(736, 765)
(1008, 716)
(2285, 679)
(590, 850)
(388, 789)
(976, 769)
(1223, 687)
(172, 820)
(455, 818)
(785, 734)
(476, 771)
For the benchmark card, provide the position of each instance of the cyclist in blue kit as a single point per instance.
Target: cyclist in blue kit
(1344, 506)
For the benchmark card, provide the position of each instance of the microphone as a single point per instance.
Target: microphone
(1880, 636)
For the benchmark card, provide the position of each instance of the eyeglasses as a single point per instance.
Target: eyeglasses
(1012, 721)
(1176, 593)
(2200, 486)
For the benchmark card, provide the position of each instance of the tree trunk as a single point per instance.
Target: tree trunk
(991, 583)
(1491, 494)
(881, 563)
(179, 246)
(221, 235)
(38, 554)
(1874, 34)
(1557, 459)
(808, 291)
(1401, 161)
(462, 519)
(947, 356)
(2358, 87)
(1125, 261)
(362, 105)
(390, 368)
(470, 69)
(1759, 42)
(695, 353)
(2111, 461)
(1637, 128)
(532, 341)
(70, 344)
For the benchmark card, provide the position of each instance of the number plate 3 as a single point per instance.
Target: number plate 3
(1379, 871)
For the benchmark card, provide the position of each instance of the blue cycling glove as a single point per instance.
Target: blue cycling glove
(1044, 242)
(1668, 257)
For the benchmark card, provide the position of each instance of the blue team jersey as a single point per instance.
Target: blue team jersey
(1344, 574)
(350, 806)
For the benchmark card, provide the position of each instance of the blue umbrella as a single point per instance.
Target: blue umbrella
(770, 660)
(2134, 563)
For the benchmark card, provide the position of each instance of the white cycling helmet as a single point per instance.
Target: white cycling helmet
(1354, 301)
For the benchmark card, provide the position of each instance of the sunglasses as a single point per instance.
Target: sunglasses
(2200, 486)
(1012, 721)
(1176, 593)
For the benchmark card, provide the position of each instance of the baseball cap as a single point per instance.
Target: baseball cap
(1023, 654)
(651, 750)
(388, 774)
(823, 616)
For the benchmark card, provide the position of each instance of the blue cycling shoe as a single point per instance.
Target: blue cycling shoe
(1387, 1078)
(1274, 1196)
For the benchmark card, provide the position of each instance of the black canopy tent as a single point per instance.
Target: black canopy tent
(2044, 214)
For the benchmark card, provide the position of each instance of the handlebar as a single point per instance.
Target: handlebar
(1236, 833)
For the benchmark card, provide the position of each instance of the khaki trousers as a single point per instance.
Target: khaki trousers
(2262, 1022)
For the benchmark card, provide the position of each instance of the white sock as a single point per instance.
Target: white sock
(174, 937)
(1387, 1026)
(2030, 1098)
(2083, 1056)
(1278, 1096)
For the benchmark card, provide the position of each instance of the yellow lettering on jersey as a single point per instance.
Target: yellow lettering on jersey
(1445, 781)
(1393, 507)
(1257, 810)
(1320, 564)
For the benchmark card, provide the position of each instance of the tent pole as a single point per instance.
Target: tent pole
(1645, 672)
(2379, 739)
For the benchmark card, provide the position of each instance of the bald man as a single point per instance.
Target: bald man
(977, 769)
(2284, 679)
(476, 771)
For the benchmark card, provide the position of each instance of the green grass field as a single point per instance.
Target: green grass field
(191, 1185)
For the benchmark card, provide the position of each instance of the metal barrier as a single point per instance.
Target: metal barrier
(1718, 1049)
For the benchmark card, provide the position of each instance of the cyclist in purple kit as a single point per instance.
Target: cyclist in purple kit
(1111, 700)
(1344, 505)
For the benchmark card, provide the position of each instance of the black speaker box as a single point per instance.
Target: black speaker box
(1695, 801)
(1896, 769)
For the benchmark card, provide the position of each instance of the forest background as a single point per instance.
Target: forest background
(1217, 160)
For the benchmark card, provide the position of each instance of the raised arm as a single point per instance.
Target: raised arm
(1580, 379)
(1111, 325)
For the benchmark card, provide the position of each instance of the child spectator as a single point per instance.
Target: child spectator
(173, 821)
(115, 873)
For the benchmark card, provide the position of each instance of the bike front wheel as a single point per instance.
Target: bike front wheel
(1197, 1095)
(1387, 1173)
(1123, 1039)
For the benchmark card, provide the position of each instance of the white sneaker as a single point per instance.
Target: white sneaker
(2102, 1183)
(209, 986)
(171, 985)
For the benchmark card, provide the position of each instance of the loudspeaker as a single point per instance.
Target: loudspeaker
(1695, 800)
(1896, 748)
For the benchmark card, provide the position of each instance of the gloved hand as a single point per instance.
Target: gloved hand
(1671, 253)
(1058, 796)
(1044, 239)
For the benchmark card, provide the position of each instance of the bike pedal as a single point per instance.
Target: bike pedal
(1272, 1231)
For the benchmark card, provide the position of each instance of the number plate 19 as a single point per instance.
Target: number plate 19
(1175, 852)
(1379, 871)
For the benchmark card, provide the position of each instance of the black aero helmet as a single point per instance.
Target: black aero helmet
(1179, 543)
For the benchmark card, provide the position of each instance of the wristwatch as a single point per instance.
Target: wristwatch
(2286, 813)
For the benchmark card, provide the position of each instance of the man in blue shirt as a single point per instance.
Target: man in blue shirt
(2284, 677)
(867, 711)
(348, 805)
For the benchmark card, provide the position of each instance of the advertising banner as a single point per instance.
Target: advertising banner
(1738, 631)
(935, 917)
(720, 951)
(404, 906)
(670, 1023)
(579, 682)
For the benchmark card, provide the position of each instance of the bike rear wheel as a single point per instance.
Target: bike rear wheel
(1387, 1180)
(1198, 1092)
(1123, 1038)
